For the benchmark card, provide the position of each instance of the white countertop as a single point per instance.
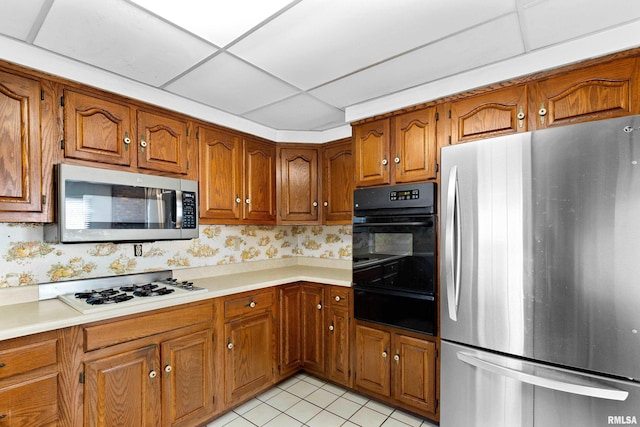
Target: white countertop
(39, 316)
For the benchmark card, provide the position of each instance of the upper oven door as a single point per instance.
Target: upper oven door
(396, 253)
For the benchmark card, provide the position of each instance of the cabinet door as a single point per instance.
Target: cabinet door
(124, 389)
(415, 146)
(372, 360)
(162, 143)
(20, 156)
(593, 93)
(248, 357)
(338, 345)
(496, 113)
(33, 403)
(337, 183)
(371, 146)
(220, 175)
(414, 372)
(290, 328)
(312, 298)
(97, 129)
(298, 185)
(259, 182)
(187, 378)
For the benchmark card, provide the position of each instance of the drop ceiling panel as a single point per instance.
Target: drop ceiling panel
(17, 17)
(231, 85)
(220, 22)
(301, 112)
(119, 37)
(320, 40)
(484, 44)
(550, 22)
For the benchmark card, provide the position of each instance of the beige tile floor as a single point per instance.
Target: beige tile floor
(304, 400)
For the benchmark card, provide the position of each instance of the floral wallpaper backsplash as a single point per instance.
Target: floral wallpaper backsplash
(27, 260)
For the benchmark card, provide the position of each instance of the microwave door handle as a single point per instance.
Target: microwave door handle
(452, 246)
(179, 214)
(585, 389)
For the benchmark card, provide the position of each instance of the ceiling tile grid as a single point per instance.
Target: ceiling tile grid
(299, 65)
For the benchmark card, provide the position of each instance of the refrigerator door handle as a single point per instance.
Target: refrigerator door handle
(452, 244)
(584, 389)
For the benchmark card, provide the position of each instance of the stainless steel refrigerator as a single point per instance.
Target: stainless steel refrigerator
(540, 278)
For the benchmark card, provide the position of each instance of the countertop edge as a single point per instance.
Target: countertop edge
(41, 316)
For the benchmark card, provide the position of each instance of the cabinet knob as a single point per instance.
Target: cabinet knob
(247, 200)
(153, 374)
(319, 306)
(143, 143)
(396, 357)
(384, 162)
(315, 204)
(384, 355)
(238, 200)
(126, 139)
(2, 365)
(3, 416)
(396, 160)
(168, 368)
(542, 111)
(252, 304)
(230, 346)
(331, 327)
(325, 203)
(338, 298)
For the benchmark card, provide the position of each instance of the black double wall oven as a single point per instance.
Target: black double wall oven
(394, 256)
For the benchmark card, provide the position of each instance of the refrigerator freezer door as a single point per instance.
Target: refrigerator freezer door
(484, 203)
(486, 389)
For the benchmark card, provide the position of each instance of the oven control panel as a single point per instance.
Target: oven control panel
(404, 195)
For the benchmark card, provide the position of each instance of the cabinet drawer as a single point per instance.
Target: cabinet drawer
(119, 331)
(32, 403)
(248, 304)
(340, 296)
(26, 358)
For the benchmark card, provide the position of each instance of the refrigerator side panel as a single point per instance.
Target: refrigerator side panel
(471, 397)
(586, 229)
(484, 233)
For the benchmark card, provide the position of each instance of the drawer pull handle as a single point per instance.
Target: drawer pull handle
(338, 298)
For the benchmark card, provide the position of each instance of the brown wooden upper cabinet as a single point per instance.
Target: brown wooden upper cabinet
(593, 93)
(112, 131)
(298, 185)
(337, 182)
(397, 149)
(20, 157)
(496, 113)
(237, 178)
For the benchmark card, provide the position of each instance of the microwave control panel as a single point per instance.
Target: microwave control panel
(189, 210)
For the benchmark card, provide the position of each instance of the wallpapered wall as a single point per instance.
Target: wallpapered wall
(27, 260)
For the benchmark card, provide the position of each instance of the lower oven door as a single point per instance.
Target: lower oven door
(406, 310)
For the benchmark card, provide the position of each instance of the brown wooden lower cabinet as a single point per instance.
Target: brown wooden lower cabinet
(396, 367)
(29, 381)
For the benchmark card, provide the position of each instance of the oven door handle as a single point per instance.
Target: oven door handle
(452, 244)
(388, 291)
(386, 224)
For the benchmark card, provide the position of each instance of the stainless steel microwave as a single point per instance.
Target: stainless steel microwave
(102, 205)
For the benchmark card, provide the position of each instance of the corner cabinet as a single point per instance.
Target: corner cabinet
(398, 149)
(297, 185)
(237, 178)
(397, 367)
(24, 118)
(337, 182)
